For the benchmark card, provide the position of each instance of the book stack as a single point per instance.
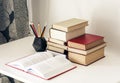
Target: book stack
(69, 36)
(86, 49)
(63, 31)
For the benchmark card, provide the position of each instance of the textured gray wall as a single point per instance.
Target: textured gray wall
(21, 18)
(20, 27)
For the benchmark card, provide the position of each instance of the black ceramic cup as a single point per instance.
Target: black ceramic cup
(39, 44)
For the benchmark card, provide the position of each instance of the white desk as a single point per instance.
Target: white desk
(106, 70)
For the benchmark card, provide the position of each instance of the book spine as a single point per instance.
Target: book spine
(56, 34)
(57, 45)
(55, 49)
(57, 41)
(65, 36)
(78, 26)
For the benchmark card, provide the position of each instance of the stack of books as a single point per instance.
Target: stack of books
(86, 49)
(63, 31)
(70, 37)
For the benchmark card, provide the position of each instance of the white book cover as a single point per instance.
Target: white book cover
(65, 36)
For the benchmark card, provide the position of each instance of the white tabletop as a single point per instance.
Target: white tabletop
(106, 70)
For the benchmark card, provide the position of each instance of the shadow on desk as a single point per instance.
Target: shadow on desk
(4, 79)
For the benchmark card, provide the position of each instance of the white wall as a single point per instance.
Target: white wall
(103, 16)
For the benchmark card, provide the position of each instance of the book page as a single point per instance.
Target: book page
(51, 67)
(24, 63)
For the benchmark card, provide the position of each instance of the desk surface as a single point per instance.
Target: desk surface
(106, 70)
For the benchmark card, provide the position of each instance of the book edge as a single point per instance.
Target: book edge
(41, 76)
(85, 52)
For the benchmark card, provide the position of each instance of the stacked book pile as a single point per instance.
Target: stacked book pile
(86, 49)
(63, 31)
(70, 37)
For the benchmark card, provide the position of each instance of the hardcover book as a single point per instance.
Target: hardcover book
(86, 59)
(43, 65)
(65, 36)
(57, 41)
(85, 52)
(57, 45)
(56, 49)
(70, 25)
(86, 41)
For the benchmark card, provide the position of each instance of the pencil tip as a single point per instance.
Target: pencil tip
(45, 26)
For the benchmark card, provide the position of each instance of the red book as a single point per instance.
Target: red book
(86, 41)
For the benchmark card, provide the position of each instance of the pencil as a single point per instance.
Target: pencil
(33, 29)
(42, 34)
(39, 30)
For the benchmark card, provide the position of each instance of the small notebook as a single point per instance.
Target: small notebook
(45, 65)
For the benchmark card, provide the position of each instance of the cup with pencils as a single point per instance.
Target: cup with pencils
(39, 43)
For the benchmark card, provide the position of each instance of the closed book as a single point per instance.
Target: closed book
(70, 25)
(56, 49)
(65, 36)
(86, 59)
(57, 41)
(57, 45)
(86, 41)
(85, 52)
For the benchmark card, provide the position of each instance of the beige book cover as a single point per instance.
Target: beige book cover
(57, 45)
(85, 52)
(57, 41)
(86, 59)
(70, 25)
(55, 49)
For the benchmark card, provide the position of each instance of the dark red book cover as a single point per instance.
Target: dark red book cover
(86, 39)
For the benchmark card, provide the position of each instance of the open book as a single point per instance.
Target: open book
(45, 65)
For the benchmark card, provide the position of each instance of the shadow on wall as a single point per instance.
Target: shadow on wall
(105, 21)
(40, 9)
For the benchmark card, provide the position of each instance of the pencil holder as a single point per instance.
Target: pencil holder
(39, 44)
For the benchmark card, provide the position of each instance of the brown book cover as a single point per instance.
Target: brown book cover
(85, 52)
(86, 41)
(86, 59)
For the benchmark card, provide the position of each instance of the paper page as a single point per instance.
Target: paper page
(24, 63)
(51, 65)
